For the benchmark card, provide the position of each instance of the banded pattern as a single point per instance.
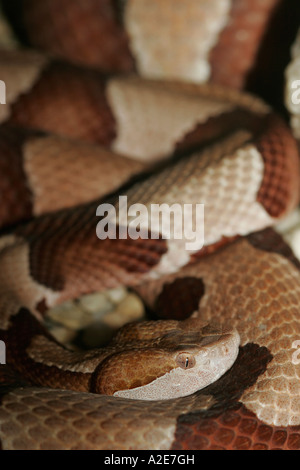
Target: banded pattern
(157, 143)
(126, 35)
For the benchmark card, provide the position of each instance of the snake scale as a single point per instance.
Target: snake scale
(99, 106)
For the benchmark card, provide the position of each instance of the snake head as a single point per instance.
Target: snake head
(180, 363)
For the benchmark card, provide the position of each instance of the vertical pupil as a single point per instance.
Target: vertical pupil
(186, 362)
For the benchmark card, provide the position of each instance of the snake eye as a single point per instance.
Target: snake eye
(185, 360)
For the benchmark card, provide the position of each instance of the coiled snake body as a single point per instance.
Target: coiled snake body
(233, 303)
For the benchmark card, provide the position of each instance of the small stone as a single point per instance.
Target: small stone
(70, 315)
(97, 303)
(117, 295)
(115, 320)
(63, 335)
(100, 333)
(131, 307)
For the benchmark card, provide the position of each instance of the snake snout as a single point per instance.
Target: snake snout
(218, 354)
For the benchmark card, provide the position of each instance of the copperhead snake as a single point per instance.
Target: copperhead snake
(235, 299)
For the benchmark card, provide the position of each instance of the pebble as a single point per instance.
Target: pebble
(117, 295)
(129, 309)
(63, 335)
(98, 304)
(70, 315)
(96, 316)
